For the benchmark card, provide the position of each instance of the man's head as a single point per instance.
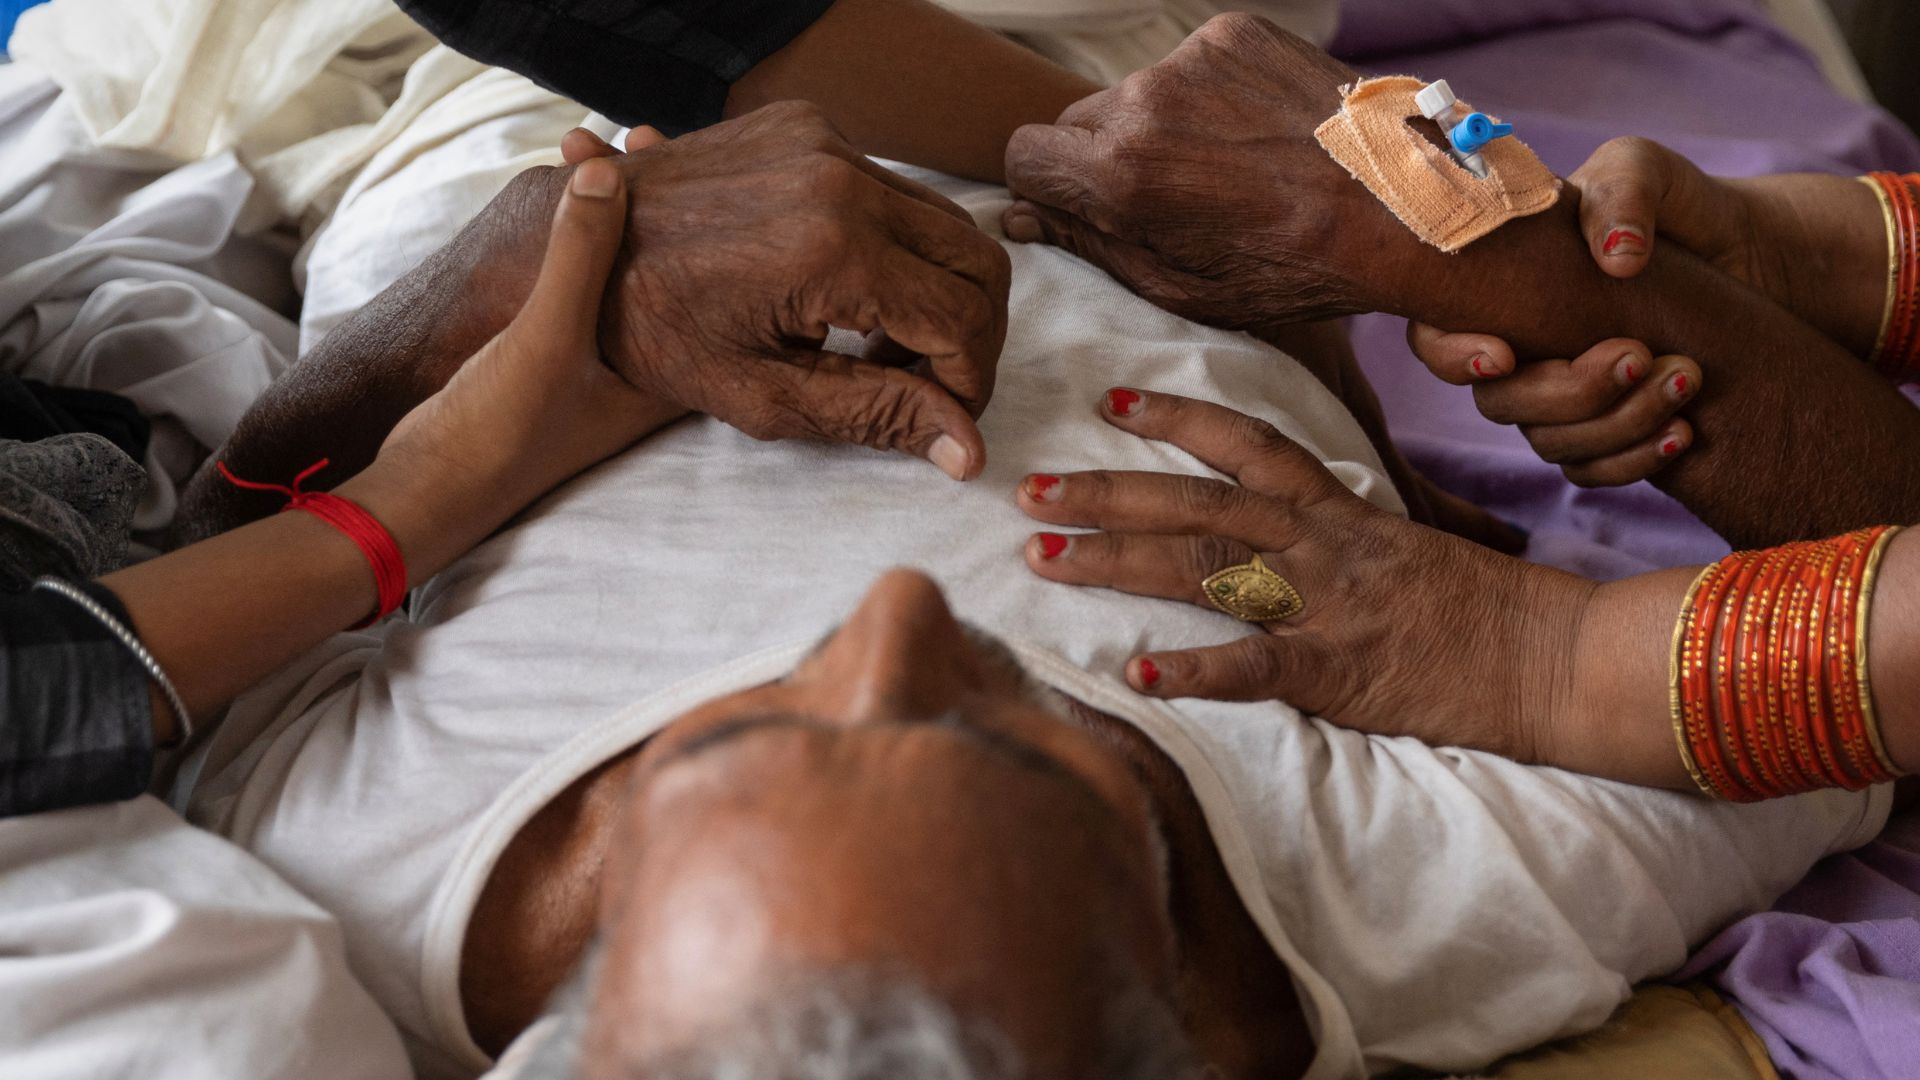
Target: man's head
(905, 826)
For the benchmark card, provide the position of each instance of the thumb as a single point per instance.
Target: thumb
(588, 228)
(1260, 667)
(1633, 190)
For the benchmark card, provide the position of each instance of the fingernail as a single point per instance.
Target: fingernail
(1482, 365)
(1043, 488)
(951, 457)
(1052, 546)
(1149, 674)
(1625, 241)
(1629, 370)
(1022, 228)
(1125, 402)
(1679, 386)
(1672, 446)
(595, 180)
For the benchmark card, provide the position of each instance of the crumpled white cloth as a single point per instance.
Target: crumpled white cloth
(121, 273)
(112, 916)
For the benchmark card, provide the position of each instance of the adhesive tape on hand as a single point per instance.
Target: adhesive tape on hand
(1431, 193)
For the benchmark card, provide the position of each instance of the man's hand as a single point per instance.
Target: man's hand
(748, 241)
(1199, 183)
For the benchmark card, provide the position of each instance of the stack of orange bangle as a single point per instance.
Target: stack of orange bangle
(1770, 689)
(1897, 355)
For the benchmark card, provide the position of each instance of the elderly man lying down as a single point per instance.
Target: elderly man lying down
(685, 716)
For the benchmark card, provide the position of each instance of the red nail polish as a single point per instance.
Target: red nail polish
(1632, 241)
(1051, 545)
(1670, 447)
(1122, 401)
(1039, 484)
(1479, 367)
(1680, 385)
(1633, 372)
(1149, 673)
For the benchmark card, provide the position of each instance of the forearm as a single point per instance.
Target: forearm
(1616, 720)
(222, 614)
(341, 400)
(1791, 426)
(905, 80)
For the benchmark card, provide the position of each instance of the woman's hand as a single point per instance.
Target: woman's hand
(1815, 245)
(537, 404)
(1406, 630)
(1609, 418)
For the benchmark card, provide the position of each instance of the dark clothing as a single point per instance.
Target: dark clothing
(66, 508)
(31, 410)
(668, 63)
(76, 722)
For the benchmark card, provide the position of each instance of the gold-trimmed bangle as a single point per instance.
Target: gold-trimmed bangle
(1674, 676)
(1863, 673)
(1893, 267)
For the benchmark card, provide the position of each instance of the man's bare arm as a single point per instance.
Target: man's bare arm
(343, 398)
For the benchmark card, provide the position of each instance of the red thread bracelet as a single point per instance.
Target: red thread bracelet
(366, 532)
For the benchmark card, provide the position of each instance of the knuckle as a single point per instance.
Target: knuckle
(1206, 500)
(833, 177)
(1254, 433)
(1252, 667)
(1207, 555)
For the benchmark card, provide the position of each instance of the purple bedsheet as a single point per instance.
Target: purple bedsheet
(1831, 979)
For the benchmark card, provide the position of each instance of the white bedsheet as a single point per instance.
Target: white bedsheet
(135, 946)
(121, 272)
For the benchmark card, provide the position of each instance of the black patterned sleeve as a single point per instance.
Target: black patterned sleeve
(76, 721)
(668, 63)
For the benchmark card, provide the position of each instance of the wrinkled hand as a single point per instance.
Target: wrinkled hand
(1199, 183)
(536, 405)
(1609, 418)
(1406, 631)
(747, 241)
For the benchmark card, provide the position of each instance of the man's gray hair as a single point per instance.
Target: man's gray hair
(857, 1026)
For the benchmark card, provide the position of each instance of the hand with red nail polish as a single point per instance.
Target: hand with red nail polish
(1400, 619)
(1608, 418)
(1811, 244)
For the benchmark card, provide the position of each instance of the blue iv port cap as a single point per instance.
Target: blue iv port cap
(1476, 131)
